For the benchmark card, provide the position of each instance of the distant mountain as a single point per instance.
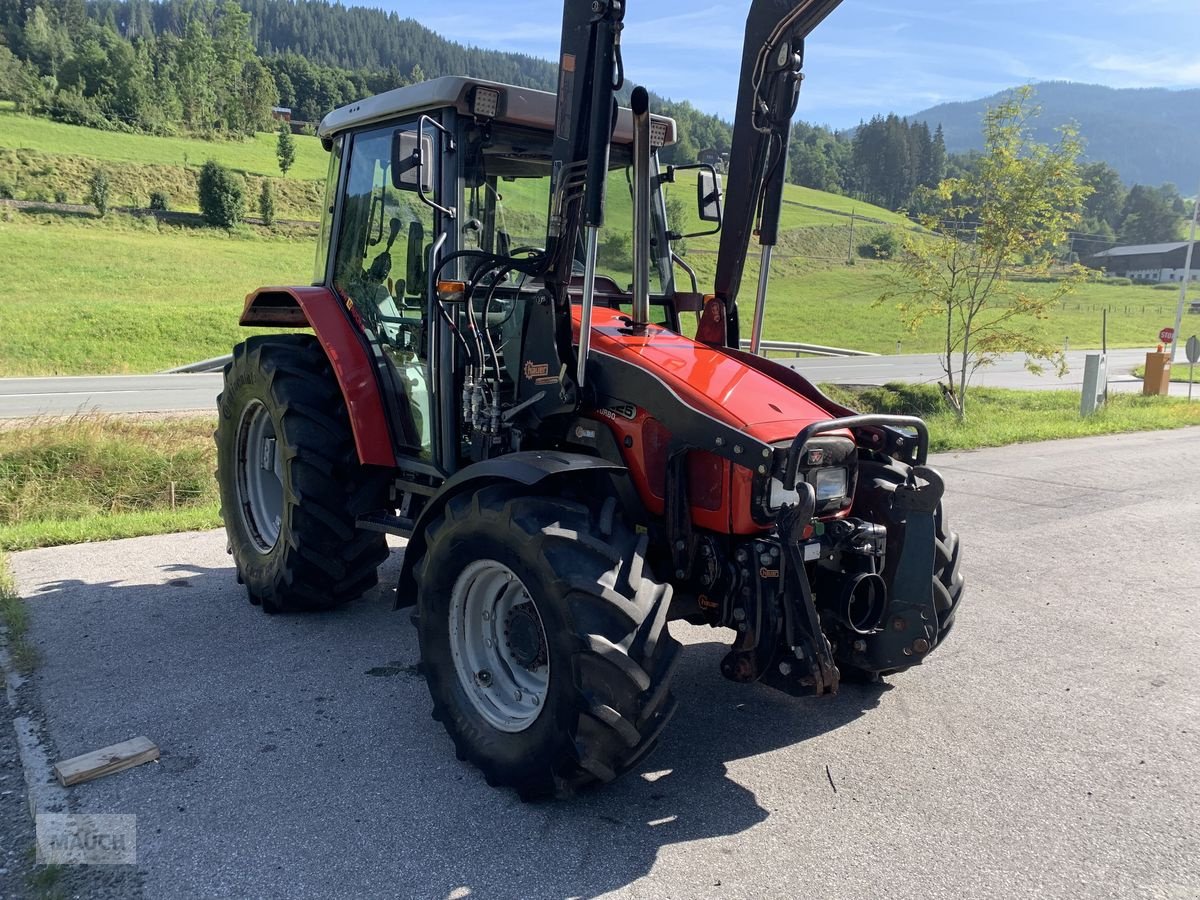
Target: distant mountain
(1149, 135)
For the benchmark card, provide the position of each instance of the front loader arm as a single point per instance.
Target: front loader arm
(590, 73)
(767, 93)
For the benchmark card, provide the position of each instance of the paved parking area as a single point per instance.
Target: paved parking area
(1049, 749)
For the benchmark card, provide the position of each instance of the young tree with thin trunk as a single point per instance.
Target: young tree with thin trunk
(285, 148)
(982, 266)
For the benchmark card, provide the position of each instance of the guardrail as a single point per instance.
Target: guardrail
(216, 364)
(805, 349)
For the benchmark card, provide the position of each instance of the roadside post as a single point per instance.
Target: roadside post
(1095, 383)
(1157, 379)
(1187, 272)
(1193, 356)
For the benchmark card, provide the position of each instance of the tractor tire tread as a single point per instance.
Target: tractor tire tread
(622, 656)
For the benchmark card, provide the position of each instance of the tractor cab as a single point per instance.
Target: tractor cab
(423, 182)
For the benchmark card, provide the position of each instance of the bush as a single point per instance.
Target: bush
(60, 196)
(98, 191)
(882, 246)
(616, 250)
(221, 195)
(159, 202)
(37, 195)
(1119, 282)
(73, 108)
(8, 191)
(266, 203)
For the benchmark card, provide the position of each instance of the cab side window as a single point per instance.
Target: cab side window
(380, 271)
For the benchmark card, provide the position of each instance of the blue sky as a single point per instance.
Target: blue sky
(869, 56)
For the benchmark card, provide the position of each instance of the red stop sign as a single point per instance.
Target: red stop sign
(1167, 335)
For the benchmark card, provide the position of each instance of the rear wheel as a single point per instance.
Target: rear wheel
(543, 639)
(290, 482)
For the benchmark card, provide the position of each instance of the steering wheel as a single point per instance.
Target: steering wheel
(577, 268)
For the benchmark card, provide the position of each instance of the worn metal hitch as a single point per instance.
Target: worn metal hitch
(780, 640)
(910, 625)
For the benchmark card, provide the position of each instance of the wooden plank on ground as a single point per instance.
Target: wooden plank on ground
(106, 761)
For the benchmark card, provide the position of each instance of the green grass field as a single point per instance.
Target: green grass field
(836, 306)
(997, 417)
(127, 297)
(802, 207)
(256, 156)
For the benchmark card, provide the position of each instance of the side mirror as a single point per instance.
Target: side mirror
(414, 275)
(708, 195)
(412, 154)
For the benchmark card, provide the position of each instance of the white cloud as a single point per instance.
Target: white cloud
(1154, 70)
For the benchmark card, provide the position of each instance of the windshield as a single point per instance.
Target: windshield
(508, 196)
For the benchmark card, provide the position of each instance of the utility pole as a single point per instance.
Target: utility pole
(1187, 275)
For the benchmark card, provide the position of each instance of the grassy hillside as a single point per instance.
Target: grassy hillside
(255, 156)
(134, 296)
(30, 175)
(129, 296)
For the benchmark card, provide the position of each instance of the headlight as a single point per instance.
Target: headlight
(778, 497)
(830, 484)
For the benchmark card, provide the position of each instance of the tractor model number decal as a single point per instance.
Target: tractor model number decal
(618, 409)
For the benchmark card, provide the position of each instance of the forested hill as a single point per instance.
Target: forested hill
(348, 37)
(323, 55)
(1149, 135)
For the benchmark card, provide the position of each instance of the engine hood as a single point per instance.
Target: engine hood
(706, 379)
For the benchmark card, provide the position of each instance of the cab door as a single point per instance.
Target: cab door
(380, 269)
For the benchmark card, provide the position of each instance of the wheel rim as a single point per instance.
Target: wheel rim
(499, 646)
(260, 488)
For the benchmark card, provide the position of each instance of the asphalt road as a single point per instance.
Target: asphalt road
(1050, 748)
(1008, 372)
(28, 397)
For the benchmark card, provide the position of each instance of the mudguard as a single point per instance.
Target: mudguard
(318, 308)
(527, 468)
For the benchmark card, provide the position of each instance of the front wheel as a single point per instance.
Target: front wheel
(543, 639)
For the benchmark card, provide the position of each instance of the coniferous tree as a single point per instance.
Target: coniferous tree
(285, 148)
(196, 65)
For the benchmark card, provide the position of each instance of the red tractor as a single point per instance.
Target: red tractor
(519, 397)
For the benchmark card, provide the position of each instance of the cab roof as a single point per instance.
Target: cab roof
(516, 105)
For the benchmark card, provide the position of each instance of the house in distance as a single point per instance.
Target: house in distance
(1157, 263)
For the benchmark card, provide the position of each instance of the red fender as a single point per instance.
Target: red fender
(318, 308)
